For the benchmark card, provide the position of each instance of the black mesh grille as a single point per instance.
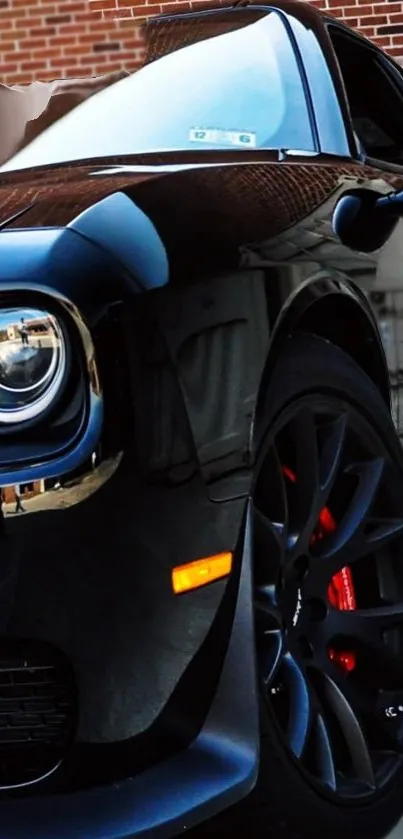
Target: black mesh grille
(37, 711)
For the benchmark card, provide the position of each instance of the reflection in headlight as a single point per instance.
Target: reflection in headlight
(32, 363)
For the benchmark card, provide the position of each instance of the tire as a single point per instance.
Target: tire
(320, 785)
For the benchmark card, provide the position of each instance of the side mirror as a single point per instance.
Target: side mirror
(363, 220)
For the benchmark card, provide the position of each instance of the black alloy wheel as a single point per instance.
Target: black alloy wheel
(329, 596)
(328, 566)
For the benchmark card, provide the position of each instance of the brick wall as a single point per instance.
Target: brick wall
(47, 39)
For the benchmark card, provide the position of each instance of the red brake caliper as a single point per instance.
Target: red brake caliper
(341, 592)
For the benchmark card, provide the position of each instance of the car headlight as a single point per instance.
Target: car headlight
(33, 363)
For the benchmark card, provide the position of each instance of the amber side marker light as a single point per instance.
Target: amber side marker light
(202, 571)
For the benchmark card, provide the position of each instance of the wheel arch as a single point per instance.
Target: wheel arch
(339, 312)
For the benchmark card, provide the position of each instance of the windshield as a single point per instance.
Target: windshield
(238, 90)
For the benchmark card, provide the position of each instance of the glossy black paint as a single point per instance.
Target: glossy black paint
(234, 253)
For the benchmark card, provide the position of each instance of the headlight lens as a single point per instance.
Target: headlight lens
(32, 363)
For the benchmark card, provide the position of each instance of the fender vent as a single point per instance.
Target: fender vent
(38, 711)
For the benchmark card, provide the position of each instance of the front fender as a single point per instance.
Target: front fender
(338, 310)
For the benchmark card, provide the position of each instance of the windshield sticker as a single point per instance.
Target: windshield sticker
(217, 136)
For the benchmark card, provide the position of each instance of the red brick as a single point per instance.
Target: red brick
(87, 17)
(64, 61)
(396, 52)
(173, 7)
(44, 11)
(383, 40)
(27, 23)
(49, 53)
(99, 26)
(89, 59)
(387, 8)
(372, 20)
(90, 38)
(56, 20)
(11, 14)
(72, 29)
(144, 8)
(111, 68)
(118, 14)
(74, 73)
(354, 11)
(18, 55)
(71, 8)
(18, 78)
(63, 40)
(33, 65)
(82, 50)
(132, 43)
(43, 31)
(32, 43)
(106, 47)
(48, 76)
(102, 4)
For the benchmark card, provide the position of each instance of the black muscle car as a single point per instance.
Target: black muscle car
(201, 377)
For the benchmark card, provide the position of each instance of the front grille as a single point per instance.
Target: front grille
(38, 710)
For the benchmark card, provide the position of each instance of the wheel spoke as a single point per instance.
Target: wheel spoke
(363, 623)
(324, 754)
(330, 457)
(268, 542)
(269, 634)
(351, 729)
(379, 532)
(270, 517)
(318, 457)
(300, 709)
(267, 611)
(270, 646)
(270, 497)
(303, 432)
(348, 543)
(364, 629)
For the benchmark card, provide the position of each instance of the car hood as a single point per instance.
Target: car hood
(210, 204)
(240, 185)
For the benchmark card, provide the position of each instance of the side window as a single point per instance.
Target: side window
(374, 91)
